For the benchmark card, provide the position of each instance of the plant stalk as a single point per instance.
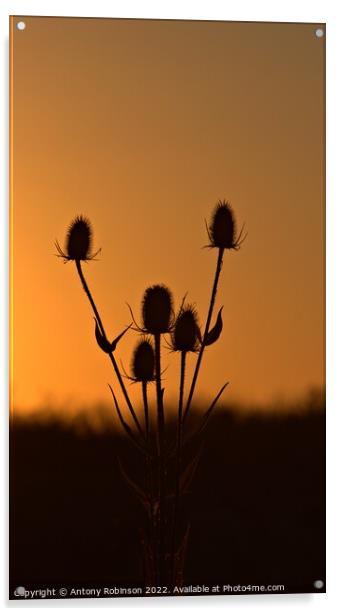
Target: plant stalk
(146, 410)
(161, 443)
(178, 464)
(149, 480)
(206, 330)
(113, 361)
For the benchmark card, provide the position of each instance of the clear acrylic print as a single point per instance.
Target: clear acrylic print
(167, 432)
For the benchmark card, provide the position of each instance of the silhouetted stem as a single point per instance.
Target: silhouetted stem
(146, 409)
(178, 463)
(113, 361)
(206, 330)
(88, 293)
(181, 396)
(160, 426)
(127, 428)
(211, 408)
(148, 470)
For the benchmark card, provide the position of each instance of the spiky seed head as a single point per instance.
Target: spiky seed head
(78, 242)
(143, 362)
(185, 335)
(157, 309)
(222, 229)
(79, 239)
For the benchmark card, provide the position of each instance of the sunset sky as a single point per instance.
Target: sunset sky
(143, 126)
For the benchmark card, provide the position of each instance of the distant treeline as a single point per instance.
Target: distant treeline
(256, 506)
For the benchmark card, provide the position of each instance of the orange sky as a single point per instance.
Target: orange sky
(142, 126)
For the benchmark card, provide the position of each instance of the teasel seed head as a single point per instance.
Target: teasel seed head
(143, 362)
(78, 242)
(186, 334)
(157, 310)
(222, 228)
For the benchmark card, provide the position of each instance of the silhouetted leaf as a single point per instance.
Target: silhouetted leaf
(214, 334)
(204, 421)
(127, 428)
(211, 408)
(116, 340)
(103, 343)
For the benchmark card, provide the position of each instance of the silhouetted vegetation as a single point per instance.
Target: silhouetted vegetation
(169, 495)
(255, 505)
(170, 459)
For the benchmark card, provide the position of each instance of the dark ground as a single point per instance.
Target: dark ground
(257, 506)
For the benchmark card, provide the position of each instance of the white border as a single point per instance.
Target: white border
(239, 10)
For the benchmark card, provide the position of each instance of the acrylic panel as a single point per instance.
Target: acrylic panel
(167, 274)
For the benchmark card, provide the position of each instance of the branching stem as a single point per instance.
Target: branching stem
(178, 464)
(206, 330)
(112, 358)
(161, 435)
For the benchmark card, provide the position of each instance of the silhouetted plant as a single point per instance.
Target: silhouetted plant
(77, 249)
(143, 362)
(222, 228)
(157, 314)
(78, 241)
(143, 370)
(168, 472)
(185, 338)
(222, 235)
(157, 310)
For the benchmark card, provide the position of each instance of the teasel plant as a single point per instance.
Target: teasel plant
(157, 320)
(185, 338)
(78, 247)
(222, 235)
(170, 457)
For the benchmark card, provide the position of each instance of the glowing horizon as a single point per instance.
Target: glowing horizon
(194, 112)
